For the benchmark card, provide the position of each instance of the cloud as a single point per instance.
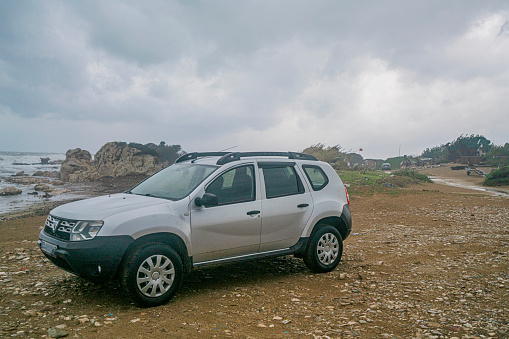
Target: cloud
(284, 74)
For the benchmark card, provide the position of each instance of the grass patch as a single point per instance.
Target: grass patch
(362, 182)
(369, 182)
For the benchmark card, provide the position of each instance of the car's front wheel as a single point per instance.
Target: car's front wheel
(152, 274)
(324, 249)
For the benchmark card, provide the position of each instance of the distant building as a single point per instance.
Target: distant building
(373, 163)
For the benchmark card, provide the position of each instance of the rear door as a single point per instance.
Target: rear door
(287, 205)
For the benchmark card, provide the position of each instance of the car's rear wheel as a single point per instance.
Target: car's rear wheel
(324, 250)
(152, 274)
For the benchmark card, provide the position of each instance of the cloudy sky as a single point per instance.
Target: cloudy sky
(259, 75)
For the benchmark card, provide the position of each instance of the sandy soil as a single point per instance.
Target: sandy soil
(424, 262)
(460, 178)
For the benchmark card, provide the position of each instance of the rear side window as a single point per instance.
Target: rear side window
(281, 181)
(316, 177)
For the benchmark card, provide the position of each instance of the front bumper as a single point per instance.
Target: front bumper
(96, 260)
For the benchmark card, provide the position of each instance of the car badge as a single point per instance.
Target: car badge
(53, 225)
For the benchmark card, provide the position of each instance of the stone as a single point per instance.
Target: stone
(10, 191)
(57, 333)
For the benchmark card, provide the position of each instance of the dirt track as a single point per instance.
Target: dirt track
(420, 263)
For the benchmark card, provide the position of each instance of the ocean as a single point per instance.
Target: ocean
(15, 162)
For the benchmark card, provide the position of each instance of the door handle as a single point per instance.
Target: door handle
(302, 205)
(253, 213)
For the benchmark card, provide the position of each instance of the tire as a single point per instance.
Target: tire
(152, 274)
(324, 250)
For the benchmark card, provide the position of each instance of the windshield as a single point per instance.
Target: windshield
(174, 182)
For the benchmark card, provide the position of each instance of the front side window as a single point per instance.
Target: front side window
(174, 182)
(281, 181)
(316, 177)
(234, 186)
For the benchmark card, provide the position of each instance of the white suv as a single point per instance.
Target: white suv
(207, 208)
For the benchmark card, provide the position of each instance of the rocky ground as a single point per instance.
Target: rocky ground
(429, 261)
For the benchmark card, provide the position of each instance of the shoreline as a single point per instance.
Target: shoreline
(77, 191)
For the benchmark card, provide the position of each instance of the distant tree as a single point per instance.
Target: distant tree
(168, 153)
(438, 153)
(334, 155)
(464, 145)
(468, 145)
(498, 155)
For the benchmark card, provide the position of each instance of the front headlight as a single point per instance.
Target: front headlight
(86, 230)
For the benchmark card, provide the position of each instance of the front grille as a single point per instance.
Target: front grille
(59, 228)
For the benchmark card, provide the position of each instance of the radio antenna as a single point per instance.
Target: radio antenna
(226, 149)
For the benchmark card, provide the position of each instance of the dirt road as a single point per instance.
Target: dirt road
(420, 263)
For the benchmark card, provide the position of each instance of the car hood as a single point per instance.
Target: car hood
(102, 207)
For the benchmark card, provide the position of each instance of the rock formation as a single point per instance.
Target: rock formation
(77, 166)
(114, 159)
(119, 159)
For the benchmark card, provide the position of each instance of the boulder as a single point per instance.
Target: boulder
(116, 159)
(77, 162)
(10, 191)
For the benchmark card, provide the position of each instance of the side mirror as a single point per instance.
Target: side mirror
(207, 200)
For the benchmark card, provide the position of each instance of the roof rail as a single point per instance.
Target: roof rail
(195, 155)
(237, 155)
(227, 157)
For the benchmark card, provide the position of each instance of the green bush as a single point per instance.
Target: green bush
(412, 174)
(498, 178)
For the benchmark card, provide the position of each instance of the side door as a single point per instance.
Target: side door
(287, 205)
(233, 227)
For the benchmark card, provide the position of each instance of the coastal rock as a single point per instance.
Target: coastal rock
(10, 191)
(47, 174)
(27, 180)
(84, 176)
(114, 159)
(77, 163)
(42, 188)
(119, 159)
(20, 174)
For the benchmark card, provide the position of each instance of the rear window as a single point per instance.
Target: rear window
(316, 177)
(281, 181)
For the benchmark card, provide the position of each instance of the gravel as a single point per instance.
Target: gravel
(422, 264)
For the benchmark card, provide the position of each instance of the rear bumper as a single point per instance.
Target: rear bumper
(96, 260)
(346, 217)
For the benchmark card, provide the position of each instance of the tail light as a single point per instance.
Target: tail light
(347, 197)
